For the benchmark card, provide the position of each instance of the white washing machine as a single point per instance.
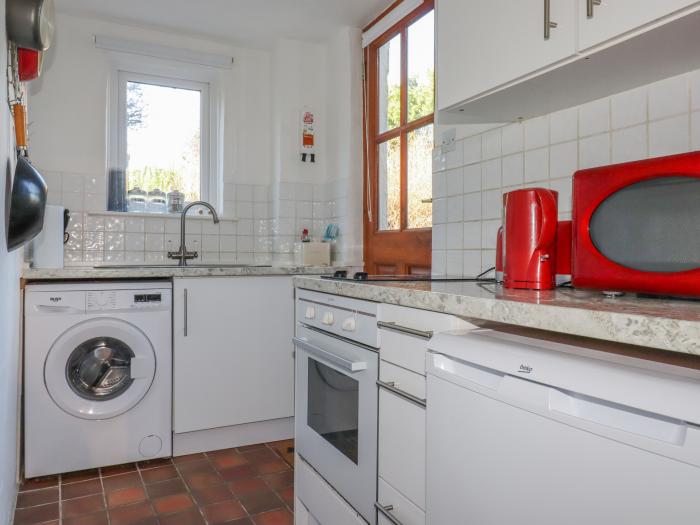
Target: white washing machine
(97, 375)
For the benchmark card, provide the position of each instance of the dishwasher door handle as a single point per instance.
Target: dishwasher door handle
(345, 364)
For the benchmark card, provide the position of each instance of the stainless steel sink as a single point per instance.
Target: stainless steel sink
(175, 266)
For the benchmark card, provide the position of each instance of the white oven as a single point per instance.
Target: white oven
(337, 366)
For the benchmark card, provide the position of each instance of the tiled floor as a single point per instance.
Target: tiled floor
(242, 486)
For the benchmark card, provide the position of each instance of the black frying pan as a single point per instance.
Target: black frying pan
(25, 217)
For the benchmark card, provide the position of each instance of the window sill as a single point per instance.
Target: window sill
(195, 214)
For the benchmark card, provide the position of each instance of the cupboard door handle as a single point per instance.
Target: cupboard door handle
(385, 510)
(404, 395)
(185, 309)
(548, 24)
(590, 6)
(404, 329)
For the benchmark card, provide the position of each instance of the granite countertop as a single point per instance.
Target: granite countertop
(672, 325)
(145, 272)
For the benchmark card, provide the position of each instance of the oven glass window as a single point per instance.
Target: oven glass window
(333, 407)
(651, 226)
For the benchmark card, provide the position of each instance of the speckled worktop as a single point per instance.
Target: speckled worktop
(140, 272)
(656, 323)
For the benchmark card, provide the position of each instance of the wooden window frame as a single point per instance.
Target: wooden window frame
(373, 138)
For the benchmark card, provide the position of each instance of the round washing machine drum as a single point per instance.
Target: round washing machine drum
(100, 368)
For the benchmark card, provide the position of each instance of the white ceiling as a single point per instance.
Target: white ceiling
(249, 22)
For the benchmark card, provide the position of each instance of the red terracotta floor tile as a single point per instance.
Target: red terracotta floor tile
(174, 503)
(131, 514)
(248, 448)
(261, 502)
(126, 496)
(166, 488)
(85, 505)
(178, 460)
(98, 518)
(242, 521)
(229, 460)
(152, 463)
(117, 469)
(275, 517)
(121, 481)
(163, 473)
(279, 480)
(39, 483)
(248, 487)
(232, 474)
(270, 467)
(38, 514)
(197, 465)
(188, 517)
(37, 497)
(81, 489)
(287, 496)
(213, 494)
(223, 512)
(80, 475)
(260, 455)
(201, 480)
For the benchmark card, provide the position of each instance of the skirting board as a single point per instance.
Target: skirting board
(234, 436)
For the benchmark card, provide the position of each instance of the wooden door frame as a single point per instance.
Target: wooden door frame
(372, 138)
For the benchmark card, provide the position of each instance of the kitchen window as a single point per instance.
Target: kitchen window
(161, 140)
(400, 102)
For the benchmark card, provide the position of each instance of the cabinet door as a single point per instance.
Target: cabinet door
(483, 44)
(233, 360)
(613, 18)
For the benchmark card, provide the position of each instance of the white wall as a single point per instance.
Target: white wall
(9, 318)
(264, 95)
(654, 120)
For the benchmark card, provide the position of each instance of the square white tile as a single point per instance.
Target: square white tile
(563, 159)
(563, 125)
(491, 174)
(594, 117)
(629, 144)
(512, 170)
(472, 178)
(594, 151)
(629, 108)
(536, 132)
(472, 149)
(536, 165)
(669, 136)
(513, 139)
(669, 97)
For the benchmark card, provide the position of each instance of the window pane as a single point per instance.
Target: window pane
(163, 139)
(420, 177)
(421, 76)
(390, 185)
(390, 84)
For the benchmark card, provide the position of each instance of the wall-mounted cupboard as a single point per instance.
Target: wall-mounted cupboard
(500, 60)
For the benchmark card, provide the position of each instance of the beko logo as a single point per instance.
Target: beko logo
(55, 299)
(524, 369)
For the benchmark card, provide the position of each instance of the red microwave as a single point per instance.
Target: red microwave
(636, 226)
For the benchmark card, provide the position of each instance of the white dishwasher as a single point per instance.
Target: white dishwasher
(525, 431)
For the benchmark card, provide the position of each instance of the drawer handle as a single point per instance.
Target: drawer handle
(590, 7)
(404, 329)
(405, 395)
(548, 24)
(385, 510)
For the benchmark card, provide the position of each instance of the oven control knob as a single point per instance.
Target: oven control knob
(349, 324)
(328, 318)
(310, 312)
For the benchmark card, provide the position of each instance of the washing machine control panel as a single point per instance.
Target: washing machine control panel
(126, 300)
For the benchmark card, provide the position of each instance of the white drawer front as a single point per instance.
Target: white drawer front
(403, 350)
(322, 504)
(402, 509)
(423, 320)
(403, 379)
(402, 446)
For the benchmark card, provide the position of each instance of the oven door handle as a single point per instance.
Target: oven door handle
(345, 364)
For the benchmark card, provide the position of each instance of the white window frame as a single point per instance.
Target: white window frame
(207, 80)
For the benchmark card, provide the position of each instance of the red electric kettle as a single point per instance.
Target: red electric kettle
(530, 221)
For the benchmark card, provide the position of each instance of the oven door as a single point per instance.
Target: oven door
(336, 414)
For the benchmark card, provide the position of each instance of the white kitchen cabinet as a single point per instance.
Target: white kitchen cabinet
(233, 361)
(614, 18)
(483, 44)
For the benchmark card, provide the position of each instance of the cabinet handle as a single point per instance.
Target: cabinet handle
(405, 395)
(185, 310)
(590, 6)
(548, 24)
(385, 510)
(404, 329)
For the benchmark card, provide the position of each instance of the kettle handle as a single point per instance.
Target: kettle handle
(550, 219)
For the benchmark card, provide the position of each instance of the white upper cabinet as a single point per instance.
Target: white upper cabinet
(483, 44)
(603, 20)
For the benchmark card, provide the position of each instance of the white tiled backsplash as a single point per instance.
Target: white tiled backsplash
(263, 231)
(655, 120)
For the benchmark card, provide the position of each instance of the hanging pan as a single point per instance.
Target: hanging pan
(25, 216)
(30, 23)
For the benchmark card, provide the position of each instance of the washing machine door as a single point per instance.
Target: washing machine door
(100, 368)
